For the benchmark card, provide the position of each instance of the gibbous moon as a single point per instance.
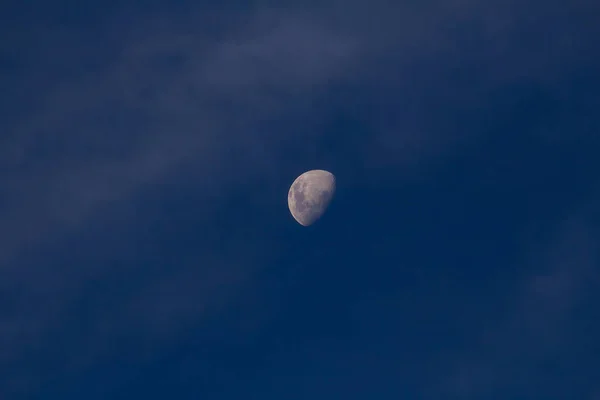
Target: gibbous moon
(310, 194)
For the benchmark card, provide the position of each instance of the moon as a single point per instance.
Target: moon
(310, 195)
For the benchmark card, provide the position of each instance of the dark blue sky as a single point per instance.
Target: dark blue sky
(146, 248)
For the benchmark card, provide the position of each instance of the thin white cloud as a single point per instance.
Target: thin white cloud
(163, 100)
(540, 325)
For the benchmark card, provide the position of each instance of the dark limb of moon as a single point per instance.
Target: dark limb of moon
(310, 195)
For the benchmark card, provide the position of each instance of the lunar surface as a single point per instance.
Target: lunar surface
(310, 195)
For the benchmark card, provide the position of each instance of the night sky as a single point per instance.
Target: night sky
(146, 247)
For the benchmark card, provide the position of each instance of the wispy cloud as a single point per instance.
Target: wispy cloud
(543, 329)
(162, 99)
